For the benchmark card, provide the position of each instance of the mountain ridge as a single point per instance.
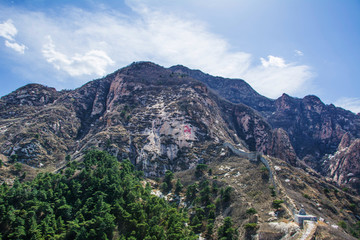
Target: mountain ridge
(290, 128)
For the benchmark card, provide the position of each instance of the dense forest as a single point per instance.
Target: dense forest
(99, 198)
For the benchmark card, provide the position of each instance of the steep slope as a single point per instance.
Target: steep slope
(253, 195)
(314, 129)
(158, 119)
(234, 90)
(343, 166)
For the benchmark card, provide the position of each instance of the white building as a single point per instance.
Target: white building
(302, 216)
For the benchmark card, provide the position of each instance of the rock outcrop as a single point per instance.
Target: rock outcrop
(281, 147)
(343, 167)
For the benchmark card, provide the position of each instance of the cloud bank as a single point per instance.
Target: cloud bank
(82, 43)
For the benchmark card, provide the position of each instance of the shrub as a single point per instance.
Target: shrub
(199, 170)
(306, 196)
(178, 186)
(226, 231)
(273, 193)
(14, 158)
(251, 226)
(342, 224)
(18, 167)
(251, 211)
(277, 203)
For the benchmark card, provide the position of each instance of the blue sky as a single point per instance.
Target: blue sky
(299, 47)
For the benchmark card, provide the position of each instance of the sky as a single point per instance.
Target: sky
(298, 47)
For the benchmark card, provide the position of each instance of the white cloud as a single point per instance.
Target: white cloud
(352, 104)
(92, 62)
(16, 46)
(106, 40)
(273, 62)
(275, 77)
(298, 53)
(8, 30)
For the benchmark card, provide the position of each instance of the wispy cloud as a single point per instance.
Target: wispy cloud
(275, 77)
(298, 53)
(352, 104)
(94, 43)
(16, 46)
(8, 31)
(92, 62)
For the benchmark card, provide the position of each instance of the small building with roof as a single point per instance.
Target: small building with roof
(301, 216)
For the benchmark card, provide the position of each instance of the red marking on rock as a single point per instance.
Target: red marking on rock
(187, 129)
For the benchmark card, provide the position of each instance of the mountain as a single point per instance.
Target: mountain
(178, 119)
(158, 119)
(313, 128)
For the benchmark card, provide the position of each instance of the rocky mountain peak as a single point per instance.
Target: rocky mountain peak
(32, 95)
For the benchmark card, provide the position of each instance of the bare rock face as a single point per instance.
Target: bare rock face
(343, 167)
(345, 141)
(157, 118)
(281, 147)
(314, 128)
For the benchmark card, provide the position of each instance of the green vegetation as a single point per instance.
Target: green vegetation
(272, 189)
(14, 158)
(178, 186)
(199, 171)
(342, 224)
(277, 203)
(306, 196)
(226, 231)
(250, 226)
(18, 167)
(100, 198)
(264, 173)
(251, 211)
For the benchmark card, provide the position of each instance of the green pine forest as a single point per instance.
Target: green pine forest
(103, 198)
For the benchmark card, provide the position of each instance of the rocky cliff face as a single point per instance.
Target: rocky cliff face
(343, 167)
(314, 129)
(281, 147)
(168, 119)
(159, 119)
